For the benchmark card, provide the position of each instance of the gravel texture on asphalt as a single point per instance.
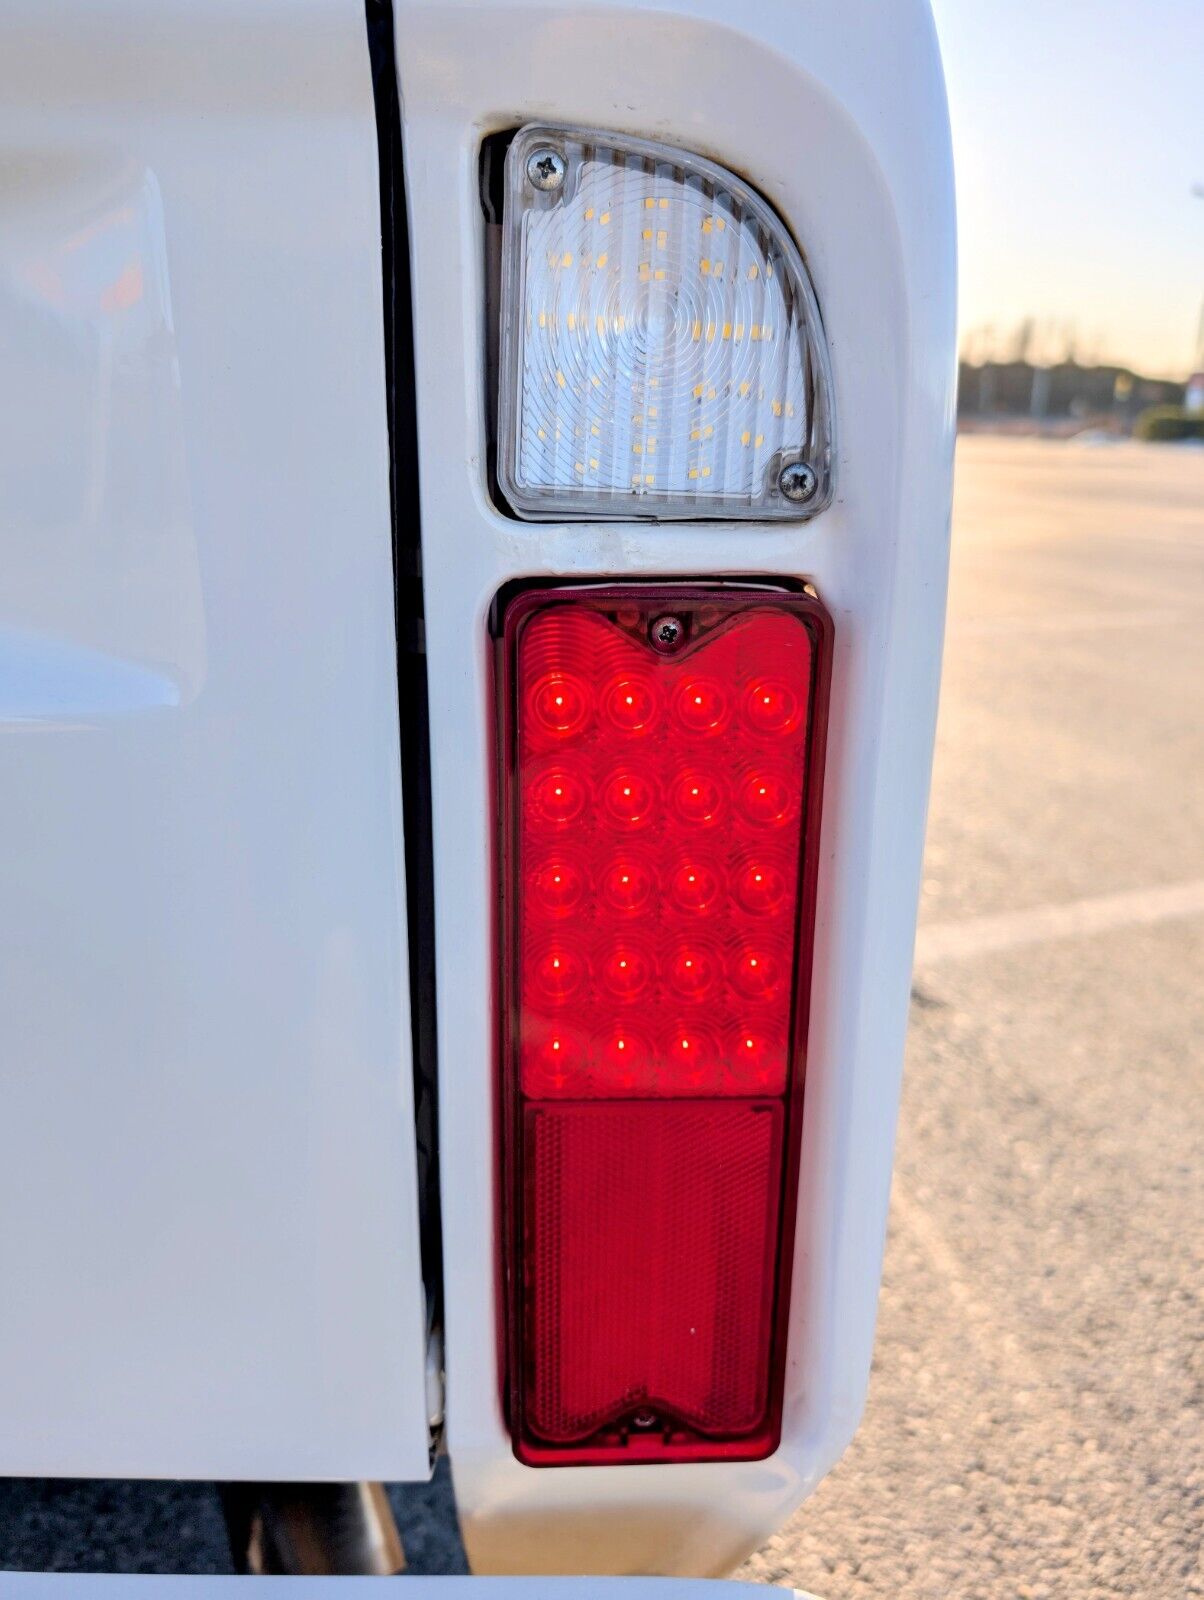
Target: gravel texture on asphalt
(1034, 1422)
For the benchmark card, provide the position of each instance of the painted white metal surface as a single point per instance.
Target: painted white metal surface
(56, 1585)
(208, 1229)
(836, 111)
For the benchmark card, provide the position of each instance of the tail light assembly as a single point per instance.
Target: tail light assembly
(660, 776)
(684, 317)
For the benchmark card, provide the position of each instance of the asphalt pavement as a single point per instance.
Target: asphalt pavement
(1034, 1421)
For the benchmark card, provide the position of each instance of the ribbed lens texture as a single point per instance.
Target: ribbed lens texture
(653, 1232)
(663, 343)
(659, 856)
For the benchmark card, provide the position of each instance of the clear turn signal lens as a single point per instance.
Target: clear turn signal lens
(661, 352)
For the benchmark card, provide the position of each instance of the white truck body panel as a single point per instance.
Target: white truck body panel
(209, 1252)
(209, 1255)
(836, 112)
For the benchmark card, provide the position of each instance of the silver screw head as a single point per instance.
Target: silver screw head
(667, 633)
(798, 482)
(545, 169)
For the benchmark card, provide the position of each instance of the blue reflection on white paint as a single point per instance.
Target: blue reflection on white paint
(99, 578)
(53, 680)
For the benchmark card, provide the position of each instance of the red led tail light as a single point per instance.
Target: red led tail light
(661, 773)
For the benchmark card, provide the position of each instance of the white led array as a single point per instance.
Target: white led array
(661, 348)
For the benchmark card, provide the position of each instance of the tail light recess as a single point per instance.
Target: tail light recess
(660, 772)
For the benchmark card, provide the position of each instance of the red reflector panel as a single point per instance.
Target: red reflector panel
(661, 775)
(651, 1237)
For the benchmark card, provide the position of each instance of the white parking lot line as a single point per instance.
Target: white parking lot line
(1063, 622)
(956, 941)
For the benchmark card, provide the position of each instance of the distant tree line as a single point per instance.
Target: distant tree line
(1064, 390)
(1046, 373)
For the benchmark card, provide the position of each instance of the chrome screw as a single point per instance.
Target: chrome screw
(798, 482)
(667, 633)
(644, 1419)
(545, 169)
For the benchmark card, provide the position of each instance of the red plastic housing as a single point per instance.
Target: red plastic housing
(660, 763)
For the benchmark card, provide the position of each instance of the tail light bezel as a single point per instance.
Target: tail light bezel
(514, 604)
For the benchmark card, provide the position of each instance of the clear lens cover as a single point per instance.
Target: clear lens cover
(661, 348)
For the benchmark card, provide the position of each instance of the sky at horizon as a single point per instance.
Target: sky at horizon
(1078, 131)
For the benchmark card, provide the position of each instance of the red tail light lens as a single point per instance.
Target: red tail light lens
(660, 813)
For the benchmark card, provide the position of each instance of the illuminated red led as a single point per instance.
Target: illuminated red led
(773, 707)
(556, 1055)
(694, 971)
(659, 819)
(698, 797)
(557, 797)
(557, 972)
(769, 798)
(627, 885)
(756, 1061)
(619, 1058)
(760, 972)
(629, 798)
(560, 704)
(626, 970)
(701, 705)
(694, 886)
(693, 1055)
(761, 886)
(630, 703)
(557, 886)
